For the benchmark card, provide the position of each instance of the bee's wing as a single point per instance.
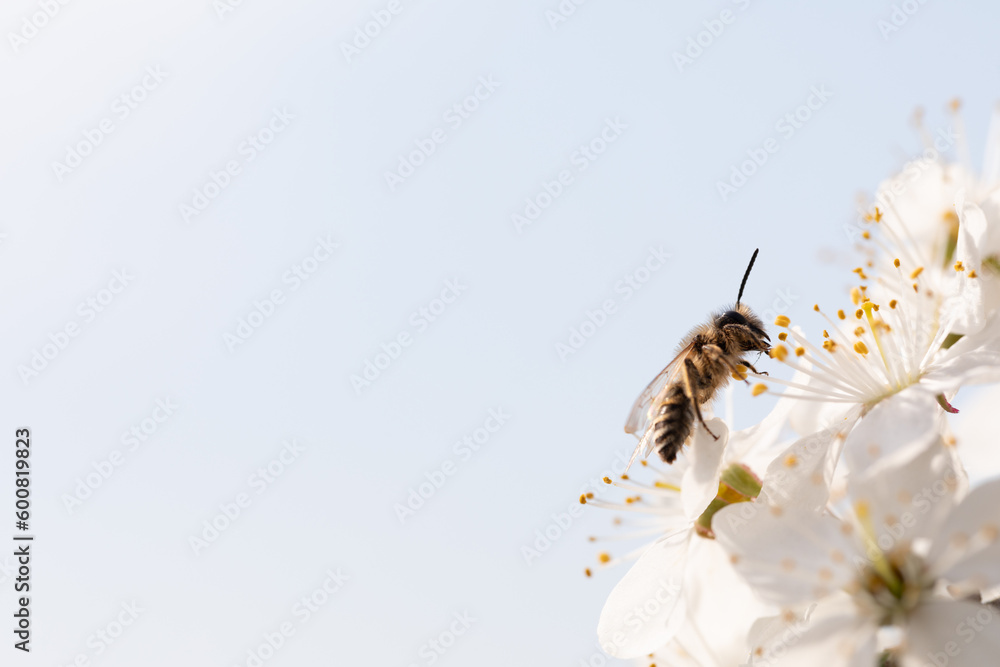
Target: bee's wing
(639, 419)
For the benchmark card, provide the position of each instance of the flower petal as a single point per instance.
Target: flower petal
(964, 305)
(954, 633)
(801, 474)
(833, 635)
(720, 610)
(897, 429)
(788, 556)
(646, 608)
(975, 359)
(701, 480)
(968, 546)
(757, 445)
(911, 500)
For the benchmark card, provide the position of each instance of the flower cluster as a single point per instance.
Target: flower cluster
(842, 529)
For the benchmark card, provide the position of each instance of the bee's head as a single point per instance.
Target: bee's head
(748, 329)
(740, 323)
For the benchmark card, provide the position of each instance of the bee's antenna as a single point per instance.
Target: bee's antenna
(747, 275)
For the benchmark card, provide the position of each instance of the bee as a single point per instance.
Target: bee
(663, 416)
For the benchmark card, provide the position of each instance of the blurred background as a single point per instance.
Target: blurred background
(321, 313)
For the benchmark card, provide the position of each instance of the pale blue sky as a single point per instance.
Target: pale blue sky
(609, 68)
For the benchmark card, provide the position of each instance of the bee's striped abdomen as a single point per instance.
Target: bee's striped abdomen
(673, 423)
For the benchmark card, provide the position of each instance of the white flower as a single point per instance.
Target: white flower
(683, 585)
(899, 335)
(649, 605)
(904, 556)
(719, 609)
(929, 213)
(915, 207)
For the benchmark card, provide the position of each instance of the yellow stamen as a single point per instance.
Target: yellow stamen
(878, 559)
(663, 485)
(892, 304)
(779, 352)
(604, 557)
(860, 348)
(783, 335)
(895, 262)
(859, 313)
(758, 389)
(860, 331)
(799, 351)
(829, 345)
(782, 321)
(876, 325)
(916, 272)
(958, 266)
(841, 315)
(972, 273)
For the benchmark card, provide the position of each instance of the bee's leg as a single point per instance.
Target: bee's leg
(750, 366)
(690, 370)
(715, 353)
